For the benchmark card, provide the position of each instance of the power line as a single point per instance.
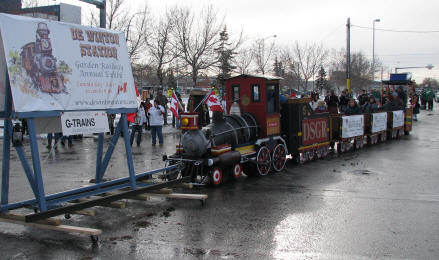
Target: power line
(407, 54)
(332, 32)
(392, 30)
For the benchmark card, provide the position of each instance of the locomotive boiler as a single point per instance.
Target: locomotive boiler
(231, 130)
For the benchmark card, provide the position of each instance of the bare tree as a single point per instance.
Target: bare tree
(263, 53)
(159, 45)
(134, 24)
(196, 38)
(307, 60)
(360, 69)
(243, 60)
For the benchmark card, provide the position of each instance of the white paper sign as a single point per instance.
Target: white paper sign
(84, 122)
(398, 118)
(379, 122)
(352, 126)
(62, 66)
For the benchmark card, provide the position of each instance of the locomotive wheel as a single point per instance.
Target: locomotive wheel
(263, 160)
(279, 157)
(236, 171)
(216, 176)
(311, 155)
(341, 147)
(325, 151)
(401, 132)
(357, 144)
(319, 152)
(302, 157)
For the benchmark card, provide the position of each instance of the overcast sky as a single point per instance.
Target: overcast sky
(324, 21)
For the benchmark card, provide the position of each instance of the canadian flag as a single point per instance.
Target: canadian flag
(174, 105)
(213, 102)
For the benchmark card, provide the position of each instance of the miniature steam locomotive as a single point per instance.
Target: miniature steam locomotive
(40, 64)
(257, 133)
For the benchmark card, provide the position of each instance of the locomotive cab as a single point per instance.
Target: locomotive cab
(258, 95)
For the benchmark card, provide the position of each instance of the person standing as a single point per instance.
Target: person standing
(430, 99)
(137, 125)
(155, 114)
(332, 102)
(147, 106)
(69, 140)
(49, 140)
(363, 98)
(163, 101)
(414, 101)
(343, 101)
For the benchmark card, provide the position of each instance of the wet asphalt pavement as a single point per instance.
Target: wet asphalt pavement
(379, 202)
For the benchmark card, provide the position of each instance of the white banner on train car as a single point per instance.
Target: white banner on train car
(61, 66)
(379, 122)
(398, 118)
(352, 126)
(84, 122)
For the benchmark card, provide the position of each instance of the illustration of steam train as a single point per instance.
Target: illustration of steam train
(257, 133)
(40, 64)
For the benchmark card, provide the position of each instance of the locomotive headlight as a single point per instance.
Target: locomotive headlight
(185, 121)
(209, 162)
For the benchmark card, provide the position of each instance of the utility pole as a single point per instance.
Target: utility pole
(348, 55)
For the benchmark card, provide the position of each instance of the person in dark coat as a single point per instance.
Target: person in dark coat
(363, 98)
(414, 101)
(353, 108)
(332, 102)
(371, 106)
(343, 101)
(392, 104)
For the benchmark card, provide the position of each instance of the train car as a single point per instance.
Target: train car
(346, 131)
(375, 127)
(400, 121)
(306, 133)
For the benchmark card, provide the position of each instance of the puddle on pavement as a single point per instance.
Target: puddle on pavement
(364, 172)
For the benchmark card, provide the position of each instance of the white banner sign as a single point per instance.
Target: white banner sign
(379, 122)
(398, 118)
(84, 122)
(61, 66)
(352, 126)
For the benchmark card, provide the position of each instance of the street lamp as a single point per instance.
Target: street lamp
(373, 49)
(429, 67)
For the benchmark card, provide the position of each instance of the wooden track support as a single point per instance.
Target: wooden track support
(52, 224)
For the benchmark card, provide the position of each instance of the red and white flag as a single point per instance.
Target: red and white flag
(213, 102)
(174, 105)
